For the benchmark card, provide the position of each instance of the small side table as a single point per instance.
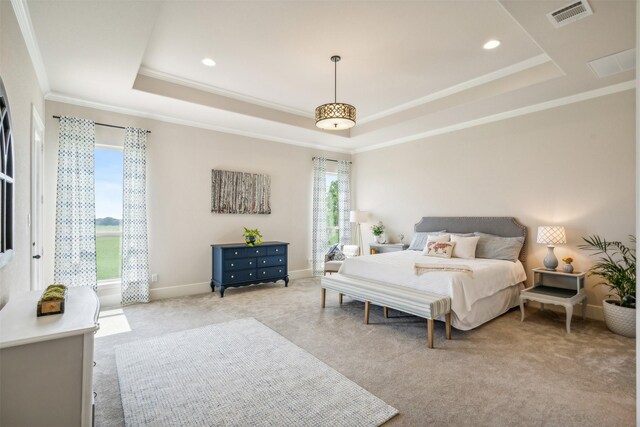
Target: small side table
(378, 248)
(558, 288)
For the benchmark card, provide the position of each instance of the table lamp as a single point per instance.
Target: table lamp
(551, 235)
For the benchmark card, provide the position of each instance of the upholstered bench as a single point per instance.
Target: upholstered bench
(408, 300)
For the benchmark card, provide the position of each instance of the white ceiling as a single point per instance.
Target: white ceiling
(412, 69)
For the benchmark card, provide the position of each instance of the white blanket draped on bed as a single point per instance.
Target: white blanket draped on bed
(489, 276)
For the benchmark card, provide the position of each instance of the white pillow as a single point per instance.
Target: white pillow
(439, 249)
(438, 238)
(465, 246)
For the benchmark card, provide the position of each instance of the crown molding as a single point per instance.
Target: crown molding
(21, 9)
(559, 102)
(65, 99)
(222, 92)
(460, 87)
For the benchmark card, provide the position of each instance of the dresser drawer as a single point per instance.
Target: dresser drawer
(235, 253)
(276, 250)
(239, 276)
(239, 264)
(256, 251)
(271, 272)
(270, 261)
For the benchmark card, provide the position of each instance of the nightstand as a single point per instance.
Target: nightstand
(379, 248)
(558, 288)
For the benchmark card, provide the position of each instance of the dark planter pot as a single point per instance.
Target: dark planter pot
(250, 240)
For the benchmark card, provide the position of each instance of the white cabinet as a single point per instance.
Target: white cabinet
(46, 363)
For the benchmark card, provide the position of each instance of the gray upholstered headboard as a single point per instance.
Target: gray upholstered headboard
(505, 226)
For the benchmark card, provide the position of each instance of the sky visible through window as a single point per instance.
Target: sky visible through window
(108, 177)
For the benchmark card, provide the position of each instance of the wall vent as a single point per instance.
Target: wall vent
(570, 13)
(614, 64)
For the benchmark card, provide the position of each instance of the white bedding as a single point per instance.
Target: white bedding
(489, 277)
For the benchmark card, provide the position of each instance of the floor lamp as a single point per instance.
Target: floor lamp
(358, 217)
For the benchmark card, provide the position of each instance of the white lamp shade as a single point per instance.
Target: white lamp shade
(551, 235)
(358, 217)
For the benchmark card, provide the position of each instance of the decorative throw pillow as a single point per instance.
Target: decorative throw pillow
(465, 246)
(439, 238)
(498, 247)
(439, 249)
(338, 255)
(419, 240)
(330, 253)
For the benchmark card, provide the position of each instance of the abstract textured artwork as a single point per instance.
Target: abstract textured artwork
(240, 192)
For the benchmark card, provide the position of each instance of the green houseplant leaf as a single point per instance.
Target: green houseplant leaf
(616, 265)
(252, 236)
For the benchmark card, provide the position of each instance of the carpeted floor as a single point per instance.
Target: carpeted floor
(502, 373)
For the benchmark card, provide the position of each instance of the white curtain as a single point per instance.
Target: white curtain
(319, 238)
(135, 255)
(344, 201)
(75, 241)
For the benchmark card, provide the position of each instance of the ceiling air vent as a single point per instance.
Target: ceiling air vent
(570, 13)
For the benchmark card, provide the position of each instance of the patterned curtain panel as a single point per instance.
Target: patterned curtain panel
(135, 255)
(344, 201)
(75, 242)
(319, 237)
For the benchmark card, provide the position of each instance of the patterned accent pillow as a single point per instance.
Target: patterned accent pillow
(338, 255)
(439, 249)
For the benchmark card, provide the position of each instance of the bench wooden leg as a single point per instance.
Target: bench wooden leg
(385, 310)
(430, 332)
(340, 298)
(366, 312)
(324, 296)
(447, 318)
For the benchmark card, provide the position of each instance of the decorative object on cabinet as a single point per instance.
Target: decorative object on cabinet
(7, 181)
(358, 217)
(378, 232)
(240, 192)
(252, 236)
(551, 235)
(47, 362)
(616, 265)
(557, 288)
(52, 300)
(567, 267)
(235, 265)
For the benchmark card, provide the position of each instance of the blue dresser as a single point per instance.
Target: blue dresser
(237, 264)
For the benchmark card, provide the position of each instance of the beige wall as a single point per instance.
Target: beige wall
(572, 165)
(181, 225)
(23, 92)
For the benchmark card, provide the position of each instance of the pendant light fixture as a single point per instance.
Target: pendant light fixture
(336, 115)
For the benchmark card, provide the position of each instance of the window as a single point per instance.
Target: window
(108, 188)
(333, 232)
(6, 180)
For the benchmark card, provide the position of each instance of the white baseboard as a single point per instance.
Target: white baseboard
(593, 311)
(110, 295)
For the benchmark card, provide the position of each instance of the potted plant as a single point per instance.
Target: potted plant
(616, 265)
(378, 231)
(252, 236)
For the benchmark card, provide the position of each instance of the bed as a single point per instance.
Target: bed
(492, 288)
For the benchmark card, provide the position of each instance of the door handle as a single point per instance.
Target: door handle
(37, 257)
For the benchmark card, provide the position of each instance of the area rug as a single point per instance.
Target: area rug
(238, 373)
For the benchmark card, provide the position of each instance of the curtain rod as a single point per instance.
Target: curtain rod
(103, 124)
(328, 160)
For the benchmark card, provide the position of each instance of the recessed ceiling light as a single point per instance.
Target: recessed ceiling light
(209, 62)
(491, 44)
